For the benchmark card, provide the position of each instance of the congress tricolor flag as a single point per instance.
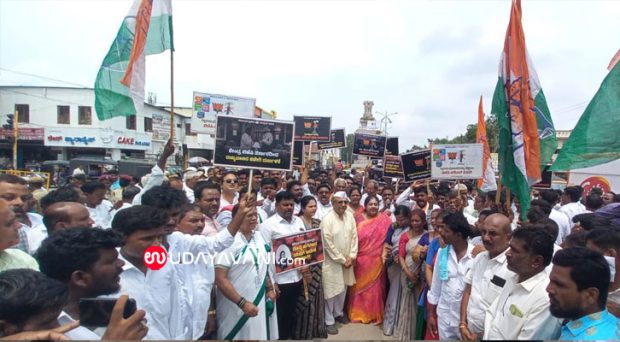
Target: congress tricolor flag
(526, 132)
(146, 30)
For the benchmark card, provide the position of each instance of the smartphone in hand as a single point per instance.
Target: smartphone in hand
(96, 312)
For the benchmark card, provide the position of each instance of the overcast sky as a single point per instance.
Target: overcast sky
(429, 61)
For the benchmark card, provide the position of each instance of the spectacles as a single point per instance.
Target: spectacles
(231, 181)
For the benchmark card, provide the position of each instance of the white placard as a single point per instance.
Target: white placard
(206, 107)
(462, 161)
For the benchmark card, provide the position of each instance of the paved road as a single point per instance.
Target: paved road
(356, 331)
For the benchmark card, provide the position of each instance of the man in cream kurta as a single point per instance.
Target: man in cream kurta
(340, 246)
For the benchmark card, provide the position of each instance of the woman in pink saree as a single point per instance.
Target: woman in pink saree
(367, 296)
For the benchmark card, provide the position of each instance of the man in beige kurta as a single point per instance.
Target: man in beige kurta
(340, 247)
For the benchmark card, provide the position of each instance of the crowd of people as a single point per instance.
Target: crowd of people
(424, 260)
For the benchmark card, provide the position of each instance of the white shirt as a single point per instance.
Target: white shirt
(405, 198)
(447, 294)
(564, 224)
(35, 233)
(521, 312)
(115, 211)
(365, 195)
(155, 179)
(158, 294)
(556, 248)
(322, 210)
(483, 291)
(79, 333)
(198, 277)
(571, 210)
(189, 193)
(276, 227)
(101, 214)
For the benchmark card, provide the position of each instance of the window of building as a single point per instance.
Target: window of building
(24, 113)
(85, 115)
(131, 122)
(64, 115)
(188, 129)
(148, 125)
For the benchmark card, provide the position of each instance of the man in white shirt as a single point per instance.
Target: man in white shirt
(196, 278)
(86, 260)
(564, 225)
(98, 207)
(14, 192)
(521, 312)
(451, 266)
(571, 204)
(487, 276)
(157, 292)
(288, 284)
(371, 189)
(324, 204)
(340, 245)
(62, 215)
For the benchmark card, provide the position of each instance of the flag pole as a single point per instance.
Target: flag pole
(171, 94)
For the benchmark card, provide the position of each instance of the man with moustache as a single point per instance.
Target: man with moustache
(14, 192)
(487, 276)
(578, 291)
(86, 260)
(521, 311)
(11, 258)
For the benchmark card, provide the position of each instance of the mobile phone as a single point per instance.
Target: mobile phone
(96, 312)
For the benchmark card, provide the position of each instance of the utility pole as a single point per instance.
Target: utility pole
(385, 120)
(15, 136)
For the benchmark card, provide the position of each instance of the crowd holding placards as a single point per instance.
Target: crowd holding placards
(422, 260)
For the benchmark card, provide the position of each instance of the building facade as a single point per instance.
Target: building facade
(60, 123)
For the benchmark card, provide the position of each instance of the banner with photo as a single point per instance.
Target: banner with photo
(337, 140)
(254, 143)
(391, 146)
(369, 145)
(392, 167)
(298, 250)
(312, 128)
(298, 153)
(416, 165)
(207, 107)
(459, 161)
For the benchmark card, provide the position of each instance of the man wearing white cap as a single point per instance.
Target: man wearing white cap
(340, 245)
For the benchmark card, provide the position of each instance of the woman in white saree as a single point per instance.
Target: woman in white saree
(245, 295)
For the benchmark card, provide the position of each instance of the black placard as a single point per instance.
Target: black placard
(312, 128)
(337, 140)
(369, 145)
(298, 153)
(254, 143)
(391, 146)
(392, 167)
(416, 165)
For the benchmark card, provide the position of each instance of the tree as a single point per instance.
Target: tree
(470, 135)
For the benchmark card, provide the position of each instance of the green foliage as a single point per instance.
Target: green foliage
(346, 154)
(469, 137)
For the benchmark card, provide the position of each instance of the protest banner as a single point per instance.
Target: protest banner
(416, 165)
(312, 128)
(392, 167)
(298, 153)
(337, 140)
(207, 107)
(369, 145)
(297, 250)
(391, 146)
(459, 161)
(254, 143)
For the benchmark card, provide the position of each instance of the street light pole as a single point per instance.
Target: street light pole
(15, 136)
(385, 119)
